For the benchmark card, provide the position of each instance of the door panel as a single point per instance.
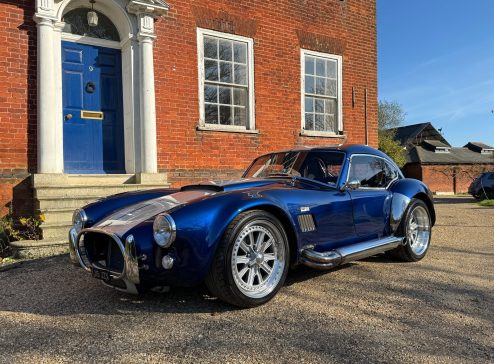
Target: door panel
(371, 212)
(92, 81)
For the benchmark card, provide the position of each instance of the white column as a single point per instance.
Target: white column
(148, 107)
(47, 105)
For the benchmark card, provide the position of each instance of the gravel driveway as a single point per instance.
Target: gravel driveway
(437, 310)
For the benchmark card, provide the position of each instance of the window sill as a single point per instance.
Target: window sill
(321, 134)
(225, 129)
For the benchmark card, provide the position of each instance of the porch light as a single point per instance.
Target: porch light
(92, 16)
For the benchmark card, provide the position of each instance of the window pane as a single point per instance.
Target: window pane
(320, 85)
(319, 122)
(240, 52)
(211, 70)
(320, 65)
(331, 88)
(330, 123)
(225, 115)
(330, 106)
(210, 48)
(225, 50)
(226, 72)
(211, 94)
(225, 95)
(309, 121)
(211, 114)
(309, 65)
(240, 96)
(240, 117)
(319, 105)
(240, 74)
(309, 84)
(309, 104)
(369, 171)
(331, 68)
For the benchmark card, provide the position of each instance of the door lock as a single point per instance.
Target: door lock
(68, 116)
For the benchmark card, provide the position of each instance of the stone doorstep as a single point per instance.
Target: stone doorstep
(29, 249)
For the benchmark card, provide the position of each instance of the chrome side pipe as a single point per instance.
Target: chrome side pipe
(346, 254)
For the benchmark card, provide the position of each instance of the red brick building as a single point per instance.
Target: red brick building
(156, 92)
(445, 169)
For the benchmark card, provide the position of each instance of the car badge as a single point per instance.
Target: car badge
(304, 209)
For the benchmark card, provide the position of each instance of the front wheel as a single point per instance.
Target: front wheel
(416, 229)
(251, 261)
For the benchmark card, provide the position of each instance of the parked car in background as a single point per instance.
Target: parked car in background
(321, 207)
(482, 187)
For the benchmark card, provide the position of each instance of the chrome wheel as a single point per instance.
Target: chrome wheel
(419, 230)
(258, 259)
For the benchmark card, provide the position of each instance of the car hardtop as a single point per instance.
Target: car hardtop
(348, 149)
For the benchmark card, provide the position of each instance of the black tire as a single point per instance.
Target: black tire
(405, 252)
(220, 279)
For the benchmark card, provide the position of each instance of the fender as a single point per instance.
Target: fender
(404, 190)
(206, 222)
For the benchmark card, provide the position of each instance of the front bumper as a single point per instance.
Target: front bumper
(129, 274)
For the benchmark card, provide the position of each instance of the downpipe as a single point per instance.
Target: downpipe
(346, 254)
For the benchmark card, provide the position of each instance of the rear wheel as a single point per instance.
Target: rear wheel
(416, 229)
(251, 262)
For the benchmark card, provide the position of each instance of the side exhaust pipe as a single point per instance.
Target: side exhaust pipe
(346, 254)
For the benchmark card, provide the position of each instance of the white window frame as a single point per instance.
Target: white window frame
(339, 98)
(251, 123)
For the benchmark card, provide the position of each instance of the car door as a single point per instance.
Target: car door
(330, 208)
(371, 201)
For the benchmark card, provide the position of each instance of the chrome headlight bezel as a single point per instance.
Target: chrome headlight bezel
(164, 230)
(79, 219)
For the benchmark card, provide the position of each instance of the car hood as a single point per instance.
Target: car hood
(123, 220)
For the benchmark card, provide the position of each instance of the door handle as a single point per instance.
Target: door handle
(68, 116)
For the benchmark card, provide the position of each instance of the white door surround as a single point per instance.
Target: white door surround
(134, 20)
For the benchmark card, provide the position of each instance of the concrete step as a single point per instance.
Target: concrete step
(63, 202)
(42, 180)
(56, 230)
(95, 191)
(57, 215)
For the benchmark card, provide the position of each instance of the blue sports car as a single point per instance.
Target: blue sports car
(320, 206)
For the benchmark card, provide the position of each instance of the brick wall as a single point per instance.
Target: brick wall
(17, 99)
(447, 178)
(279, 30)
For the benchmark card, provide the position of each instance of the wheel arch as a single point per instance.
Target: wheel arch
(424, 198)
(286, 222)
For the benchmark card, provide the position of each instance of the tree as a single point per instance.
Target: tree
(390, 115)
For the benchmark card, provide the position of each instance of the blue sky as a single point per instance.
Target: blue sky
(436, 58)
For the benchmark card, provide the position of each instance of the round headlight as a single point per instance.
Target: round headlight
(164, 230)
(79, 218)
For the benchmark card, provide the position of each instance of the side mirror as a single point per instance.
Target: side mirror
(352, 185)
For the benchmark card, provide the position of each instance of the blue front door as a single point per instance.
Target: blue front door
(92, 109)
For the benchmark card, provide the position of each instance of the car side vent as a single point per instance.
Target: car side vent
(306, 223)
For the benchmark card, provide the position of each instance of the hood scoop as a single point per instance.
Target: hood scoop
(203, 187)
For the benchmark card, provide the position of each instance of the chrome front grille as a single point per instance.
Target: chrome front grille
(102, 251)
(306, 223)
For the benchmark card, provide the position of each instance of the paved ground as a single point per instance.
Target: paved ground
(438, 310)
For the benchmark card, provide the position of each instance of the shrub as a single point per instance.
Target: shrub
(18, 228)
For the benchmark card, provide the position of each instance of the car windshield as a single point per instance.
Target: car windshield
(321, 166)
(274, 165)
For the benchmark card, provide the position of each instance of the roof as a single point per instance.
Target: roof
(416, 133)
(478, 146)
(419, 154)
(348, 148)
(435, 144)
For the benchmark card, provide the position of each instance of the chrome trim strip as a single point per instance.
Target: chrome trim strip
(131, 267)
